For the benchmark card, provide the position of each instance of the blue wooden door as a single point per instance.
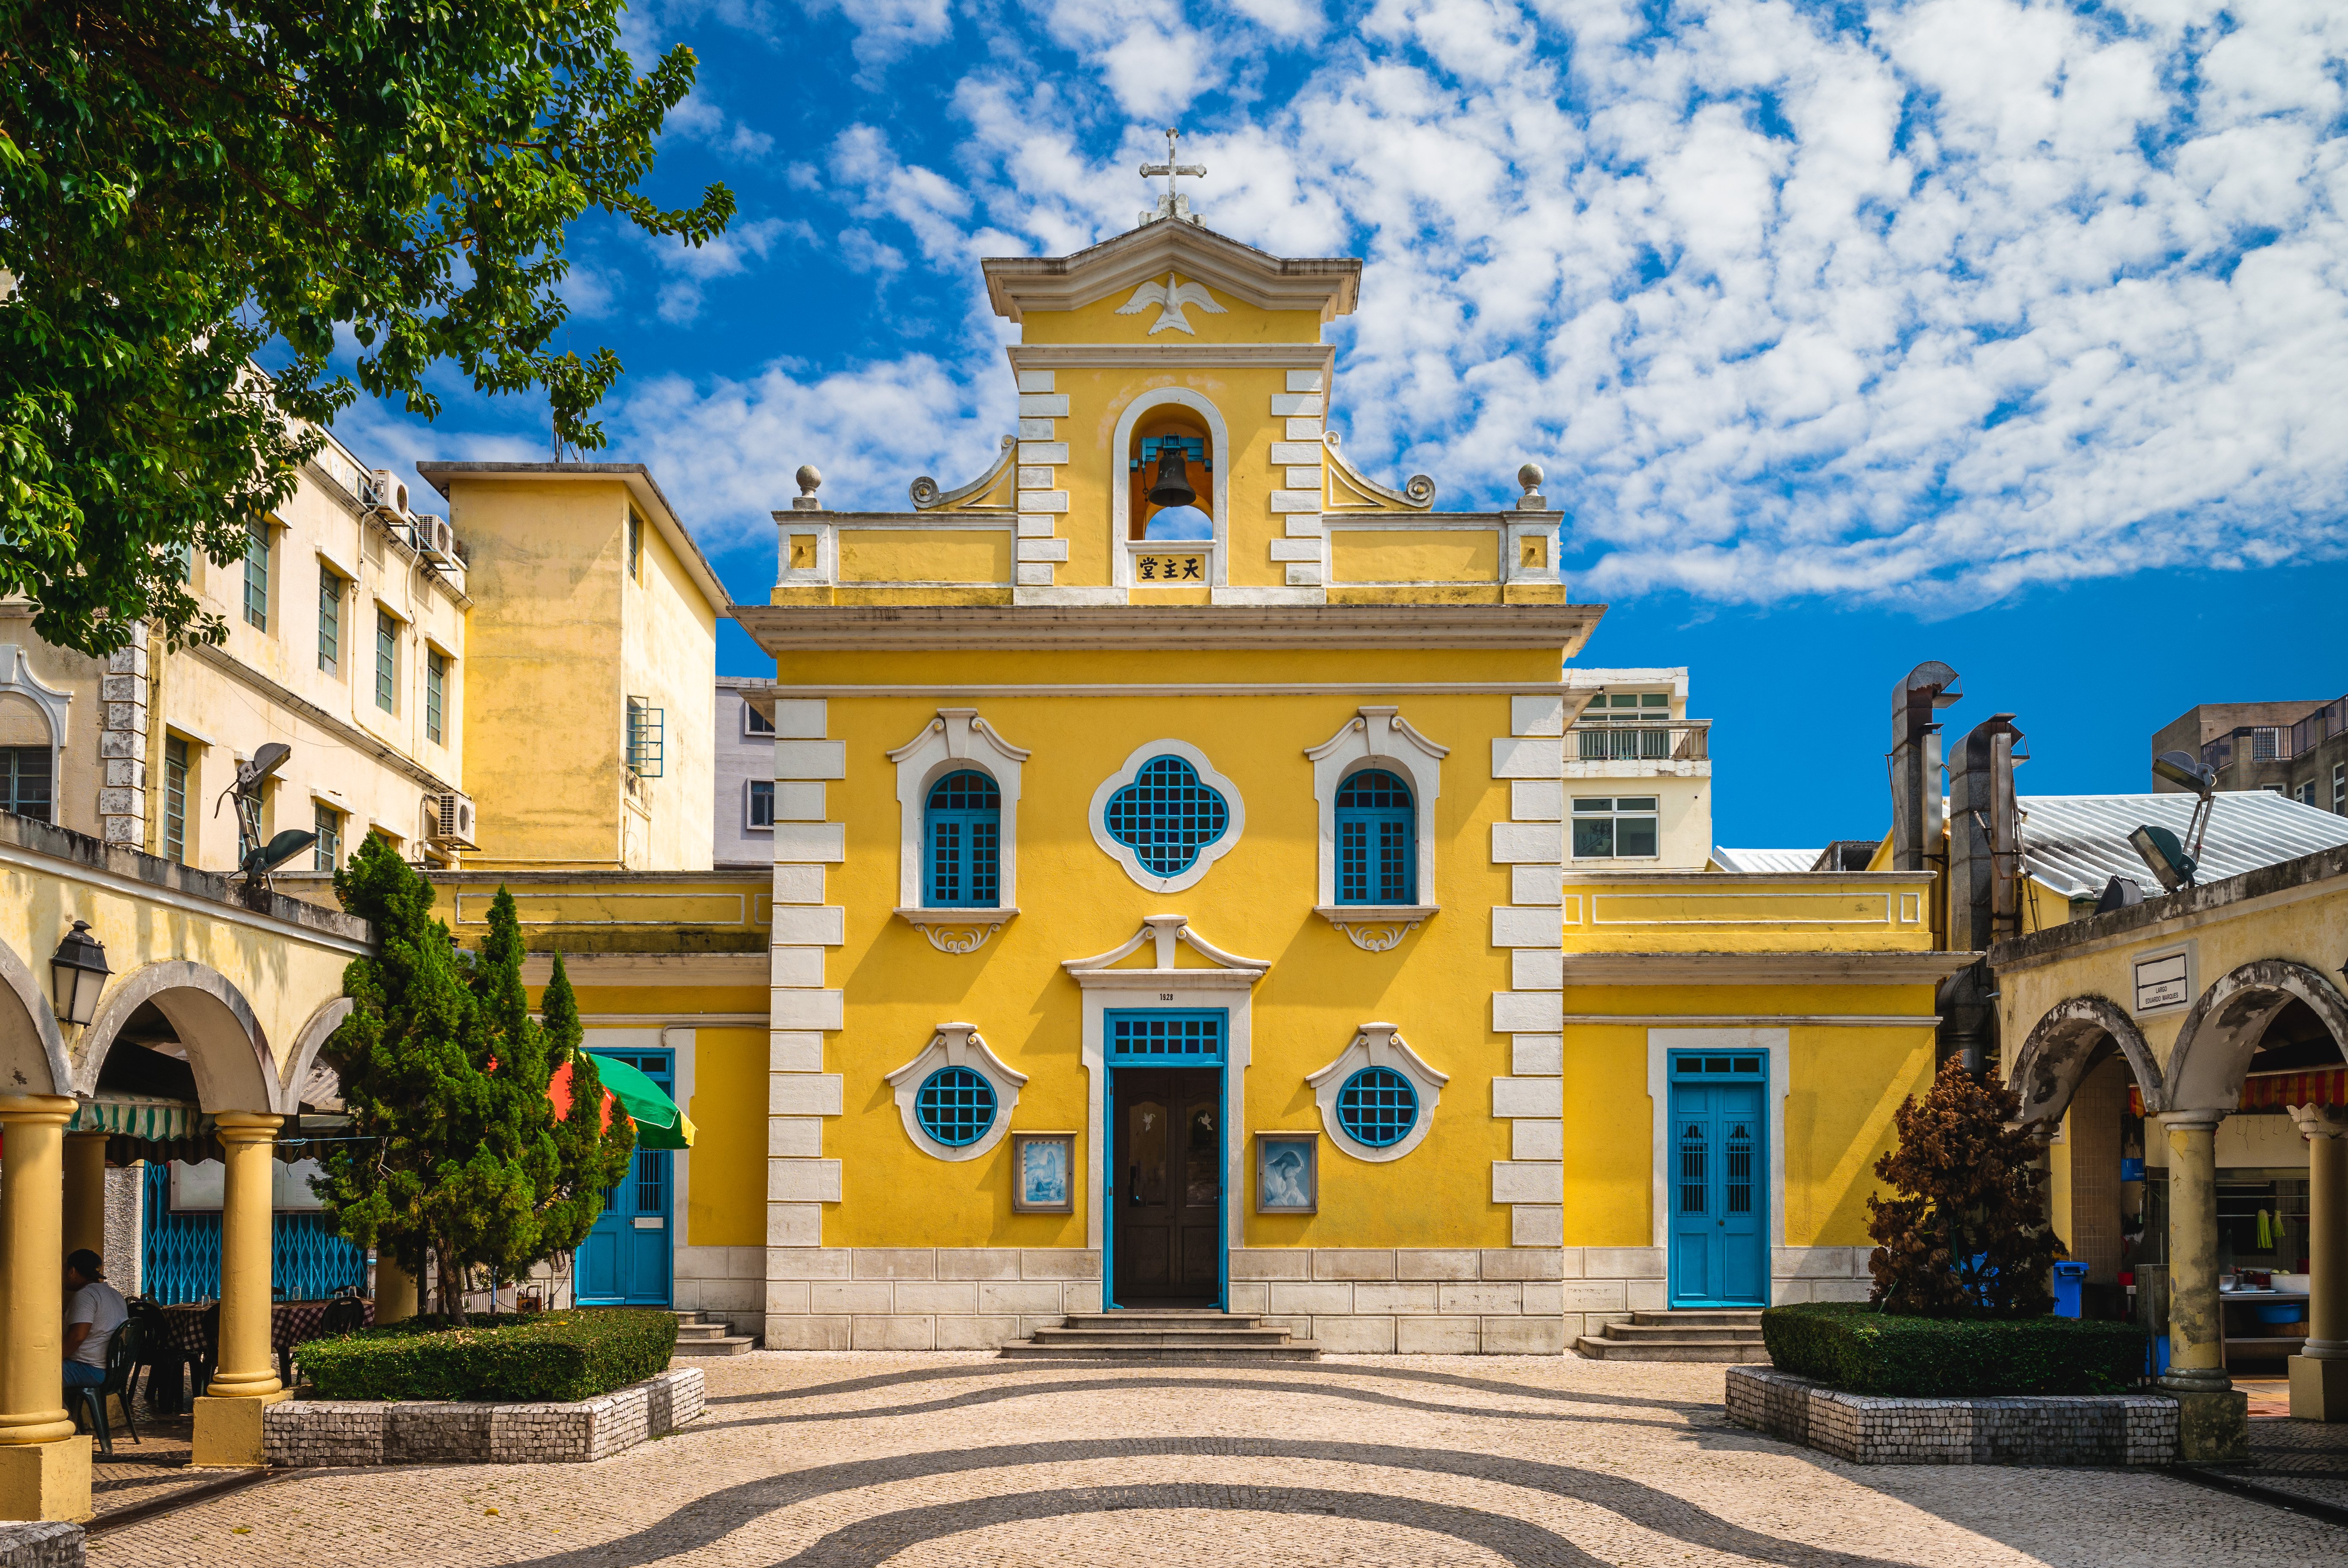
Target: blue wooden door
(1719, 1181)
(625, 1259)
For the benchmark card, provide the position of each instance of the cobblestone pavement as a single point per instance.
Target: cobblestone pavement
(936, 1460)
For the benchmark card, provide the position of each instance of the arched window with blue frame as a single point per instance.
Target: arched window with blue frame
(1377, 840)
(961, 840)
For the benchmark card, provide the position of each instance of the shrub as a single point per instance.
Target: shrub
(1855, 1346)
(549, 1357)
(1968, 1237)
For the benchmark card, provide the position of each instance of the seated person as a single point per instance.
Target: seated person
(94, 1312)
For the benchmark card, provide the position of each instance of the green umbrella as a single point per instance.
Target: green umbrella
(659, 1124)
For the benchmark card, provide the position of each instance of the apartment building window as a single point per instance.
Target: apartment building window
(644, 739)
(387, 661)
(175, 799)
(1616, 827)
(330, 620)
(436, 695)
(183, 555)
(2307, 793)
(256, 580)
(25, 790)
(754, 722)
(636, 548)
(762, 804)
(329, 851)
(2340, 788)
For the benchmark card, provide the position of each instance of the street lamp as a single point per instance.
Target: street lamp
(77, 973)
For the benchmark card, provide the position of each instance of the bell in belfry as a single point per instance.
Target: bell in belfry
(1172, 487)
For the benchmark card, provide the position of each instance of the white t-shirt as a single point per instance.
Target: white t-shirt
(99, 1305)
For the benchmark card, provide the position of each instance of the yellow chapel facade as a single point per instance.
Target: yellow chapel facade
(1204, 878)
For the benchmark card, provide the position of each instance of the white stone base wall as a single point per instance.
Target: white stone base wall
(721, 1283)
(300, 1432)
(922, 1298)
(1819, 1274)
(1423, 1301)
(1607, 1284)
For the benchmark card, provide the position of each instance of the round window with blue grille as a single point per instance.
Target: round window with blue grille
(1167, 815)
(1377, 1107)
(955, 1106)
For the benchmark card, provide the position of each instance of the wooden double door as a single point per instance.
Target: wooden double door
(1166, 1187)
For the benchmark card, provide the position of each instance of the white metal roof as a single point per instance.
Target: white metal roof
(1765, 861)
(2077, 843)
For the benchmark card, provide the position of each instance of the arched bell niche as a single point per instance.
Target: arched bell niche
(1171, 425)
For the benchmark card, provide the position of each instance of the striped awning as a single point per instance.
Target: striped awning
(139, 1116)
(2276, 1090)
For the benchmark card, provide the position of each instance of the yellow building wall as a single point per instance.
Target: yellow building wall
(668, 658)
(1257, 901)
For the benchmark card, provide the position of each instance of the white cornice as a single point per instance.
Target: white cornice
(1172, 355)
(586, 970)
(1762, 968)
(808, 629)
(1328, 285)
(1808, 883)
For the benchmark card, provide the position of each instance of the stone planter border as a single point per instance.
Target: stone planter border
(41, 1545)
(302, 1432)
(2017, 1430)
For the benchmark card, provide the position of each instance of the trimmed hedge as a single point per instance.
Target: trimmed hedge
(1851, 1346)
(552, 1356)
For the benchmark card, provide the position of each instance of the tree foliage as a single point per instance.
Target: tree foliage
(463, 1161)
(1969, 1237)
(184, 184)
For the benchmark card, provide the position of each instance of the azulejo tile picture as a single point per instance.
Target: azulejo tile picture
(1044, 1172)
(1287, 1172)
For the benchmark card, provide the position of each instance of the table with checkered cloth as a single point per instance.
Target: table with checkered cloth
(290, 1324)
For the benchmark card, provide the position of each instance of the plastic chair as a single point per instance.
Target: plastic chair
(154, 1355)
(121, 1365)
(345, 1314)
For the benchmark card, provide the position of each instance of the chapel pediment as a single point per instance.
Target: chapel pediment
(1329, 286)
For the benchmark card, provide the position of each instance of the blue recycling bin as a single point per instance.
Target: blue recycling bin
(2069, 1275)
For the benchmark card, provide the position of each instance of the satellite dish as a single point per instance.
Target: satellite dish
(269, 856)
(2166, 856)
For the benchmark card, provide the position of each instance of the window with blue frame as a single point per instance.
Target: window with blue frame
(955, 1106)
(1167, 815)
(962, 835)
(1377, 1107)
(1377, 840)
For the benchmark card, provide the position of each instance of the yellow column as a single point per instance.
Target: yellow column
(2319, 1373)
(228, 1414)
(2213, 1420)
(86, 1192)
(395, 1291)
(44, 1466)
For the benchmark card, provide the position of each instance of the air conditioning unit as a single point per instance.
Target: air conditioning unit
(385, 491)
(435, 540)
(448, 820)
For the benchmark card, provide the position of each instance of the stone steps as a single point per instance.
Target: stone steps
(1718, 1336)
(695, 1338)
(1162, 1334)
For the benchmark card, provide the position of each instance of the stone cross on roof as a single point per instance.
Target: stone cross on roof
(1173, 204)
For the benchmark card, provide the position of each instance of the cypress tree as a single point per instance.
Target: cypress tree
(462, 1162)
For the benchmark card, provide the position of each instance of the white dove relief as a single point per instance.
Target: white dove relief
(1169, 297)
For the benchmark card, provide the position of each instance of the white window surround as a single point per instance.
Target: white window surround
(1121, 492)
(957, 738)
(1378, 738)
(1229, 985)
(956, 1045)
(16, 675)
(1097, 817)
(1661, 1043)
(750, 788)
(1377, 1045)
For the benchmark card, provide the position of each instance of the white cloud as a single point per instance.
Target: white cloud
(886, 29)
(724, 256)
(1985, 294)
(702, 121)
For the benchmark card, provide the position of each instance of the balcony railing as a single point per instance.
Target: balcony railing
(2325, 722)
(1683, 741)
(2277, 742)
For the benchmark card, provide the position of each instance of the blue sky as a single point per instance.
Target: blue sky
(2007, 335)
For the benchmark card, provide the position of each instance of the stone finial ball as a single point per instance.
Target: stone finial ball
(1530, 476)
(808, 479)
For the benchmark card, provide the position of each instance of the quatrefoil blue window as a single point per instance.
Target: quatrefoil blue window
(1167, 815)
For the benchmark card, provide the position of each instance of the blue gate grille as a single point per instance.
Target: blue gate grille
(180, 1258)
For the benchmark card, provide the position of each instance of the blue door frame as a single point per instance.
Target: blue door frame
(1718, 1158)
(625, 1259)
(1163, 1038)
